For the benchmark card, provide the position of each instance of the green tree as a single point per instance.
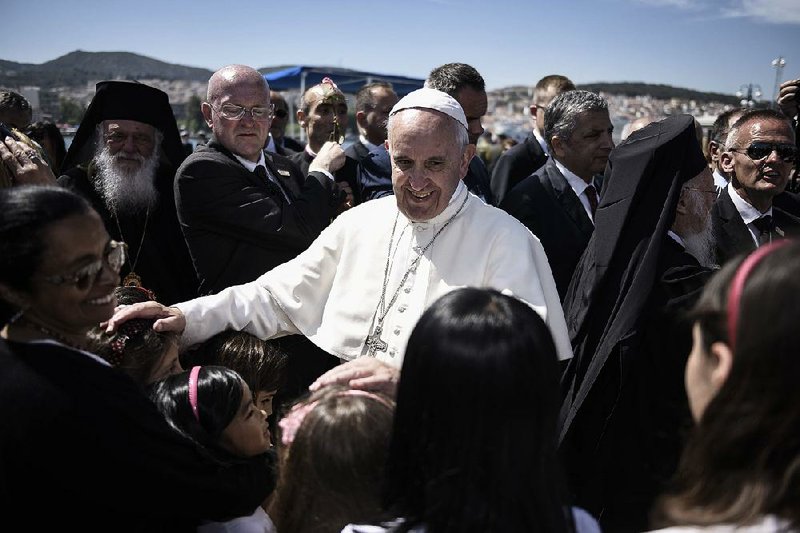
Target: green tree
(194, 117)
(70, 111)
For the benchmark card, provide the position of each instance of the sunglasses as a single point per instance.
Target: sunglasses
(281, 113)
(759, 150)
(82, 279)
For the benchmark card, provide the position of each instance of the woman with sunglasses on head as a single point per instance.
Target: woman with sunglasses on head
(80, 440)
(740, 469)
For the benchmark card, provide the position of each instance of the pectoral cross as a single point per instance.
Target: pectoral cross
(375, 343)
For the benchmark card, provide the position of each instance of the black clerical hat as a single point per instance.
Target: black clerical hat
(126, 100)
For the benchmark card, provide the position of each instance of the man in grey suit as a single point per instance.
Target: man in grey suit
(558, 201)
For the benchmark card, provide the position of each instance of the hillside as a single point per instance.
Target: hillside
(79, 67)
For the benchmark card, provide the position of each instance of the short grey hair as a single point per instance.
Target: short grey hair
(459, 132)
(560, 119)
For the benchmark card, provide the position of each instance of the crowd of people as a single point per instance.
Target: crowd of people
(263, 335)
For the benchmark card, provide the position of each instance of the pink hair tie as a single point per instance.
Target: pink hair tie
(737, 286)
(291, 423)
(193, 391)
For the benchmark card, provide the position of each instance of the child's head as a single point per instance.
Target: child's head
(474, 436)
(260, 363)
(334, 447)
(135, 348)
(213, 406)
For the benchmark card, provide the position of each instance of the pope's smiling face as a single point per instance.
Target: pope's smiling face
(428, 161)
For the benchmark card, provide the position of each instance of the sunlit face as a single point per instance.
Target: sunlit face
(264, 401)
(376, 115)
(280, 118)
(586, 151)
(247, 136)
(540, 105)
(326, 107)
(248, 433)
(763, 178)
(130, 141)
(475, 104)
(70, 245)
(167, 365)
(427, 162)
(699, 387)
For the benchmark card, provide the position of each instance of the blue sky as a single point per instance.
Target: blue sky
(713, 45)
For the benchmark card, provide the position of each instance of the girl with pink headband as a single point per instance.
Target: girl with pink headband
(332, 454)
(213, 407)
(739, 470)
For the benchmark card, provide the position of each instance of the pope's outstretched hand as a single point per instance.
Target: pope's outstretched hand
(365, 373)
(170, 319)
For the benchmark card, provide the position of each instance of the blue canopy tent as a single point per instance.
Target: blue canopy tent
(348, 81)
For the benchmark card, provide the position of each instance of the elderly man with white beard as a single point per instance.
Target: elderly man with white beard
(123, 160)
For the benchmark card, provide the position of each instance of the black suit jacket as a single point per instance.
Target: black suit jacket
(548, 206)
(357, 151)
(236, 225)
(348, 173)
(731, 236)
(117, 464)
(515, 165)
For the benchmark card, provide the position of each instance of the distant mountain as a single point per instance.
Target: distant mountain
(663, 92)
(79, 67)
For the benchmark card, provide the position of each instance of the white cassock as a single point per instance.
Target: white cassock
(331, 292)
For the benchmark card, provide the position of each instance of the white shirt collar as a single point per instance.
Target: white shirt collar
(541, 140)
(577, 184)
(746, 211)
(249, 165)
(720, 181)
(371, 147)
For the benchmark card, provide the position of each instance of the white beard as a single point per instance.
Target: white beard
(125, 190)
(701, 245)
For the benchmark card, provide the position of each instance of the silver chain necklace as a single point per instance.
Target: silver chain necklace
(132, 279)
(374, 342)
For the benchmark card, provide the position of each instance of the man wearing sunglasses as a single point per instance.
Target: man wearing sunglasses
(759, 156)
(278, 142)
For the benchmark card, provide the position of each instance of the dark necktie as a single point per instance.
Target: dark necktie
(766, 225)
(591, 195)
(271, 186)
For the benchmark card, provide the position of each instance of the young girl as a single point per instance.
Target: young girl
(333, 450)
(473, 444)
(260, 363)
(740, 469)
(135, 348)
(213, 406)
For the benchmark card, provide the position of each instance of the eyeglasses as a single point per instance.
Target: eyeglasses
(114, 257)
(280, 113)
(237, 112)
(759, 150)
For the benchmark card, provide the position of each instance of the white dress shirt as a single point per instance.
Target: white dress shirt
(579, 187)
(747, 212)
